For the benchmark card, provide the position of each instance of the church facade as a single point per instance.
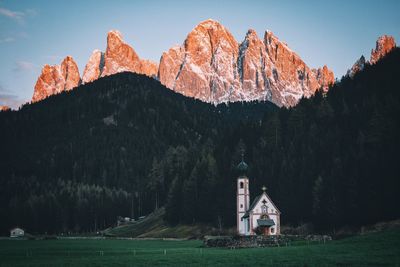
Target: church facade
(261, 216)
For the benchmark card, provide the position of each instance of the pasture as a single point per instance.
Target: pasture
(374, 249)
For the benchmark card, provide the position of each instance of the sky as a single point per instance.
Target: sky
(34, 32)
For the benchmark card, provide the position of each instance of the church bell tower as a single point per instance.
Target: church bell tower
(242, 197)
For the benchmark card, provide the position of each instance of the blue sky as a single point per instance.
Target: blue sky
(33, 33)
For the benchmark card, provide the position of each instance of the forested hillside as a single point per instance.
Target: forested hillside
(125, 145)
(77, 160)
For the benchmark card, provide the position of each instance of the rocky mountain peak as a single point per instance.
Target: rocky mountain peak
(94, 67)
(121, 57)
(70, 72)
(213, 67)
(209, 65)
(357, 66)
(384, 45)
(57, 78)
(325, 77)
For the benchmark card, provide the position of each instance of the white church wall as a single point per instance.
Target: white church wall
(243, 198)
(271, 211)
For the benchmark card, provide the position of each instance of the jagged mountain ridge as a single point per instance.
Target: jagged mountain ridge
(383, 46)
(57, 78)
(211, 66)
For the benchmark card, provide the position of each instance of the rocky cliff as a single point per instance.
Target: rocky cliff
(384, 45)
(212, 66)
(57, 78)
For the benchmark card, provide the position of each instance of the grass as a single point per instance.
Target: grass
(375, 249)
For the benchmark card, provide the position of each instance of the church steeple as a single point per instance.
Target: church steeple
(242, 167)
(242, 196)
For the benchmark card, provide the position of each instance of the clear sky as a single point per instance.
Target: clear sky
(33, 33)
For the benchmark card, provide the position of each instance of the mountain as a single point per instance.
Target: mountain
(94, 67)
(102, 138)
(212, 66)
(384, 45)
(358, 66)
(56, 79)
(120, 57)
(124, 145)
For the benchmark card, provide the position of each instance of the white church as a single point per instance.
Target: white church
(262, 217)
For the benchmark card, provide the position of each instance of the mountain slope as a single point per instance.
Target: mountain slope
(124, 145)
(100, 139)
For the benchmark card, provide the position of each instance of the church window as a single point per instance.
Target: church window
(272, 230)
(241, 185)
(241, 205)
(263, 209)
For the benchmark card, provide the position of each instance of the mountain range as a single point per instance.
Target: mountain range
(124, 145)
(211, 66)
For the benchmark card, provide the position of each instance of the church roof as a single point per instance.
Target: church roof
(242, 168)
(265, 222)
(254, 203)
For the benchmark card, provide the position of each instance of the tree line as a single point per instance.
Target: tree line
(125, 145)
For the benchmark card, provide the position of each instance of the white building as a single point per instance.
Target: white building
(262, 216)
(17, 232)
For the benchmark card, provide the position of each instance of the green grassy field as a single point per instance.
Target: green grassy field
(375, 249)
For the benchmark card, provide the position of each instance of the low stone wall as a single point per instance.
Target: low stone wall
(260, 241)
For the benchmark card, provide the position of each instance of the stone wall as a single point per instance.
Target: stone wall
(260, 241)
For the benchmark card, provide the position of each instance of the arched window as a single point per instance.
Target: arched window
(241, 185)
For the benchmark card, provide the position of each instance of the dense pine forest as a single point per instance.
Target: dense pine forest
(125, 145)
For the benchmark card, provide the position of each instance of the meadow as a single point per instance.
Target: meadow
(374, 249)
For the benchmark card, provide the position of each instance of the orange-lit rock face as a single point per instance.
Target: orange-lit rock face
(204, 67)
(251, 68)
(170, 65)
(70, 73)
(94, 67)
(289, 77)
(57, 78)
(4, 108)
(148, 68)
(210, 65)
(358, 66)
(384, 45)
(50, 82)
(325, 77)
(213, 67)
(120, 57)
